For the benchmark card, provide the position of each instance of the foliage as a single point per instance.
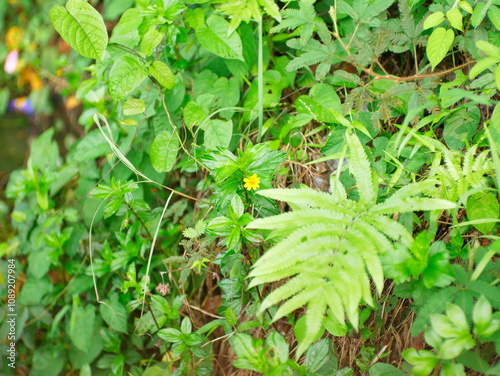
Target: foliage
(233, 178)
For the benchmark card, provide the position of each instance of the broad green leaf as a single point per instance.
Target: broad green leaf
(483, 205)
(218, 133)
(82, 27)
(194, 114)
(455, 17)
(455, 346)
(163, 151)
(494, 16)
(133, 106)
(126, 74)
(150, 41)
(126, 31)
(434, 19)
(438, 45)
(214, 37)
(81, 326)
(114, 314)
(162, 73)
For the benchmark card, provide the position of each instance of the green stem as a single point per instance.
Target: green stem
(260, 81)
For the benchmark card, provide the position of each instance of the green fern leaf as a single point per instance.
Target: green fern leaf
(392, 229)
(360, 168)
(294, 18)
(305, 198)
(410, 204)
(314, 319)
(82, 27)
(490, 292)
(330, 246)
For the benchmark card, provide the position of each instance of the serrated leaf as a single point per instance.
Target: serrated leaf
(82, 27)
(126, 74)
(214, 37)
(150, 41)
(162, 73)
(190, 233)
(133, 106)
(438, 45)
(455, 17)
(163, 151)
(434, 19)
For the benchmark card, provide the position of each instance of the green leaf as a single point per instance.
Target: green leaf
(460, 127)
(434, 19)
(163, 151)
(384, 369)
(455, 17)
(133, 106)
(230, 316)
(162, 73)
(438, 45)
(81, 326)
(482, 65)
(150, 41)
(483, 205)
(423, 361)
(170, 335)
(186, 326)
(466, 6)
(114, 314)
(481, 315)
(452, 369)
(455, 346)
(82, 27)
(218, 133)
(126, 74)
(489, 49)
(479, 13)
(494, 16)
(214, 37)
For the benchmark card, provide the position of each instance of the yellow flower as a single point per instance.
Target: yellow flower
(253, 182)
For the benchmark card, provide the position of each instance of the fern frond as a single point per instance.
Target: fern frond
(299, 300)
(294, 220)
(314, 319)
(305, 198)
(331, 245)
(394, 230)
(410, 204)
(360, 168)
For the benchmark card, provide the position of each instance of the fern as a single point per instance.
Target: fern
(330, 246)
